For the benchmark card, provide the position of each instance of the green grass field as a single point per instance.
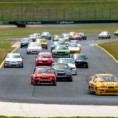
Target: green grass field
(35, 10)
(112, 48)
(5, 47)
(24, 32)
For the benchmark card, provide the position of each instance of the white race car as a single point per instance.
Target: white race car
(104, 34)
(46, 35)
(34, 48)
(73, 48)
(70, 63)
(32, 37)
(13, 60)
(37, 35)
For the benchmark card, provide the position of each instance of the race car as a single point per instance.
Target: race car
(105, 35)
(103, 84)
(43, 75)
(70, 63)
(13, 60)
(34, 48)
(80, 60)
(57, 37)
(46, 35)
(83, 35)
(44, 59)
(76, 37)
(32, 37)
(62, 71)
(73, 48)
(66, 41)
(25, 42)
(61, 51)
(43, 43)
(75, 41)
(53, 45)
(37, 35)
(116, 33)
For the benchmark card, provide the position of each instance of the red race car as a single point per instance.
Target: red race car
(44, 59)
(43, 75)
(76, 37)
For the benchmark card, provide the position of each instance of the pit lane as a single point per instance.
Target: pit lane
(15, 82)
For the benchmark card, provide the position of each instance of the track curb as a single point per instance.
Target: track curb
(107, 52)
(10, 52)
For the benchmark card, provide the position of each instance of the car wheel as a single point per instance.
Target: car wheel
(5, 66)
(70, 80)
(22, 66)
(21, 46)
(27, 53)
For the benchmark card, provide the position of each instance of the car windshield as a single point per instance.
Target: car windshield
(43, 70)
(74, 41)
(62, 47)
(66, 61)
(44, 56)
(23, 40)
(107, 79)
(59, 36)
(72, 45)
(13, 56)
(80, 57)
(60, 66)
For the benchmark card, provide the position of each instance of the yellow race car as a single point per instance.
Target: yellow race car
(103, 84)
(43, 43)
(116, 33)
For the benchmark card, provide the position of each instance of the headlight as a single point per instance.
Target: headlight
(103, 86)
(116, 86)
(19, 62)
(7, 61)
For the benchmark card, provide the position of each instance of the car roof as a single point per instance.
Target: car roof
(43, 67)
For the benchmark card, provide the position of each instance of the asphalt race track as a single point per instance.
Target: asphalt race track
(15, 82)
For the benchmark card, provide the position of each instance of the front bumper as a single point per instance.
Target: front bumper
(106, 91)
(44, 64)
(13, 65)
(81, 64)
(49, 82)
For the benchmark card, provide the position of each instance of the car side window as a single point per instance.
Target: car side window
(95, 78)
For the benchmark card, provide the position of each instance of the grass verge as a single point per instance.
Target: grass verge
(24, 32)
(112, 48)
(5, 47)
(103, 39)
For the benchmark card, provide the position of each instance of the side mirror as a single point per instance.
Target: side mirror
(92, 77)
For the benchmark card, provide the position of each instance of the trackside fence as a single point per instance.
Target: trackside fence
(59, 14)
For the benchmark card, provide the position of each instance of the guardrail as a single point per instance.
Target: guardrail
(59, 14)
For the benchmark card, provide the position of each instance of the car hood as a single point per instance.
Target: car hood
(44, 74)
(60, 51)
(58, 70)
(34, 48)
(73, 48)
(71, 65)
(18, 59)
(45, 59)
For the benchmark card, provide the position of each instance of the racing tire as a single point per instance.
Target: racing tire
(27, 53)
(22, 66)
(5, 66)
(21, 46)
(70, 80)
(46, 48)
(87, 66)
